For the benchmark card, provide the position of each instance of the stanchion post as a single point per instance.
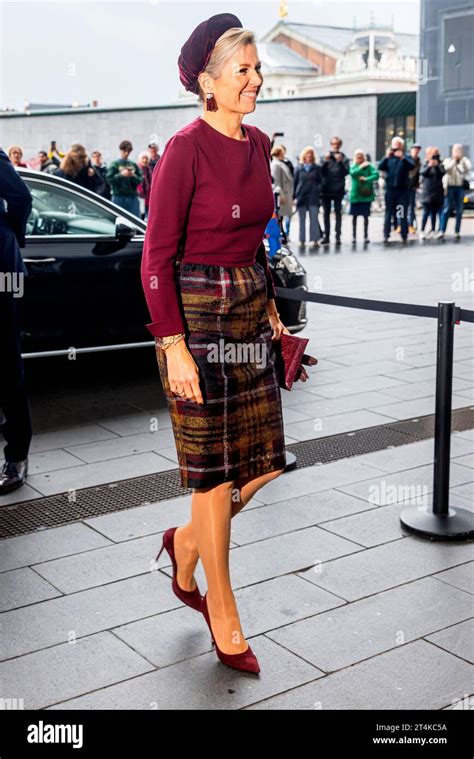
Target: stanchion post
(441, 522)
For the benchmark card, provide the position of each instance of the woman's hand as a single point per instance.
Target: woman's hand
(278, 328)
(183, 373)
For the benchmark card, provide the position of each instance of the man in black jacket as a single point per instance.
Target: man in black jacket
(16, 424)
(397, 166)
(334, 169)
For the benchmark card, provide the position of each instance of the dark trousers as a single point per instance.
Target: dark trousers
(328, 200)
(412, 208)
(396, 206)
(13, 399)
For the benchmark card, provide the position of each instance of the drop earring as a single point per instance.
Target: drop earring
(211, 104)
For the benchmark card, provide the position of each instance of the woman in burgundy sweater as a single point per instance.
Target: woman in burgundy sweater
(212, 302)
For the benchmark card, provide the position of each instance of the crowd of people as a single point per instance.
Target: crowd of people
(437, 185)
(123, 181)
(313, 184)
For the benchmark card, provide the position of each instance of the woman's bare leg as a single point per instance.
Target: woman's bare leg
(185, 543)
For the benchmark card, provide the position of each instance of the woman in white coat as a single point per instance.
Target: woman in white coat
(283, 184)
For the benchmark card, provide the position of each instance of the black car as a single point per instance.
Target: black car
(469, 194)
(83, 288)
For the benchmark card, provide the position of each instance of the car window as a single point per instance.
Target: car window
(58, 211)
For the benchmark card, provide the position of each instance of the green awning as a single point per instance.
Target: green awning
(396, 104)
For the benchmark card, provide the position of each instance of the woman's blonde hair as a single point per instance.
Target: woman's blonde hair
(430, 151)
(277, 151)
(14, 147)
(307, 149)
(225, 47)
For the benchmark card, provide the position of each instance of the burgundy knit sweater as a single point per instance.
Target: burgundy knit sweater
(211, 199)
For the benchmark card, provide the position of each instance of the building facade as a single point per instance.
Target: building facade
(445, 106)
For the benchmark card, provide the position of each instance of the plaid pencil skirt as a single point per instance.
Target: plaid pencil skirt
(238, 430)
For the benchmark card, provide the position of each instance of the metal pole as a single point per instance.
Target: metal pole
(444, 388)
(441, 522)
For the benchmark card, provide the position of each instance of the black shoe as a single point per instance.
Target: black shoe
(366, 239)
(338, 240)
(404, 241)
(386, 239)
(324, 241)
(13, 475)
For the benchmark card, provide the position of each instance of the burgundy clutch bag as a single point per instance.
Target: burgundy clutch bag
(290, 356)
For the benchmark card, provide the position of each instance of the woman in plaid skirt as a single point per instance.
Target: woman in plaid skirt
(212, 301)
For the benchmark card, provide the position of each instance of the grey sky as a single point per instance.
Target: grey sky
(125, 53)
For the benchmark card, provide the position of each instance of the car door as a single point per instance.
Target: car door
(83, 286)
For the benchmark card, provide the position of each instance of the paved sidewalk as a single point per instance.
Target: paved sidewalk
(343, 609)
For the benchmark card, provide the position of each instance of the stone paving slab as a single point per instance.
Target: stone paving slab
(465, 490)
(320, 407)
(300, 482)
(467, 460)
(386, 566)
(50, 460)
(461, 577)
(414, 676)
(180, 634)
(203, 683)
(379, 525)
(86, 433)
(294, 513)
(52, 622)
(25, 493)
(104, 565)
(412, 390)
(458, 639)
(99, 473)
(134, 424)
(363, 629)
(407, 483)
(142, 520)
(21, 587)
(417, 407)
(280, 555)
(122, 446)
(335, 424)
(362, 384)
(45, 545)
(403, 457)
(70, 669)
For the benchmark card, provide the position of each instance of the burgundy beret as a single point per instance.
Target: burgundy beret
(197, 49)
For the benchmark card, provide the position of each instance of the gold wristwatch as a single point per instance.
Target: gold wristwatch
(165, 342)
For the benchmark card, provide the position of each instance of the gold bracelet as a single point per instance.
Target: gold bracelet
(165, 342)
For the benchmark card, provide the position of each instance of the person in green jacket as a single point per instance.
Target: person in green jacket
(363, 175)
(124, 176)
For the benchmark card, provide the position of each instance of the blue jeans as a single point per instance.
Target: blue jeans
(314, 228)
(128, 202)
(412, 208)
(454, 199)
(396, 205)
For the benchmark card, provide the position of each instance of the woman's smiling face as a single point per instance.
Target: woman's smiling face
(239, 84)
